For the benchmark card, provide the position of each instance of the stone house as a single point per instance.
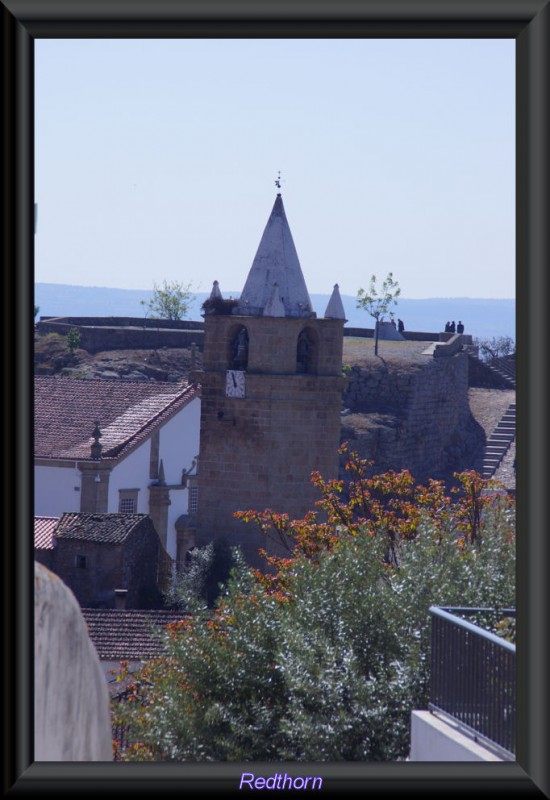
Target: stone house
(106, 560)
(127, 447)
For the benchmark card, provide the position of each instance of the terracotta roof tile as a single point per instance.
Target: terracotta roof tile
(43, 532)
(65, 411)
(120, 634)
(92, 527)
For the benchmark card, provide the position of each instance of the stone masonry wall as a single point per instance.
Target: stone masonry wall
(257, 452)
(418, 419)
(95, 338)
(132, 565)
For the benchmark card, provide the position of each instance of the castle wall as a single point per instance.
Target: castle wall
(414, 419)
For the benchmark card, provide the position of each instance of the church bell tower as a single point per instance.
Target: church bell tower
(271, 395)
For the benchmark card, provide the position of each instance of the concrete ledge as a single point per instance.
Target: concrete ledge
(450, 347)
(434, 738)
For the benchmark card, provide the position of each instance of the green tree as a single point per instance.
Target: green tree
(378, 303)
(170, 301)
(203, 577)
(73, 340)
(324, 657)
(36, 310)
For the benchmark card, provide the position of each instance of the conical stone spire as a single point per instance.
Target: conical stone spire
(274, 306)
(335, 307)
(276, 261)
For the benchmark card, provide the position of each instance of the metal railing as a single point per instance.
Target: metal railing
(473, 676)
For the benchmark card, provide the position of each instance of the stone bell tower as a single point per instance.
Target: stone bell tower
(271, 394)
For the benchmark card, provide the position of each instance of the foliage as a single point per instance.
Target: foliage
(73, 340)
(323, 657)
(36, 311)
(170, 301)
(203, 577)
(495, 347)
(378, 303)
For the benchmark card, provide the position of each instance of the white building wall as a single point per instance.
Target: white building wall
(132, 473)
(437, 739)
(56, 490)
(179, 442)
(179, 446)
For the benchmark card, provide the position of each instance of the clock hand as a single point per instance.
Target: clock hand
(234, 381)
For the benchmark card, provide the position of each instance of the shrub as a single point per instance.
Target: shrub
(324, 658)
(73, 340)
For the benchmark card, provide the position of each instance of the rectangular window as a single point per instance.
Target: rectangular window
(193, 499)
(128, 501)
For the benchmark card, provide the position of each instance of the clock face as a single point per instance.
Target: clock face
(234, 383)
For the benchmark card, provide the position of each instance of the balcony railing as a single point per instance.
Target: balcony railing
(473, 676)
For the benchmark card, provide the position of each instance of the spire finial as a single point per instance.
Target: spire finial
(278, 180)
(95, 447)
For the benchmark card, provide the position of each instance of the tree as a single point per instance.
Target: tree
(203, 577)
(495, 347)
(324, 657)
(73, 340)
(378, 304)
(170, 301)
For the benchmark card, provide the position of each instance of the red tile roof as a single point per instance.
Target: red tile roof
(65, 411)
(43, 532)
(128, 634)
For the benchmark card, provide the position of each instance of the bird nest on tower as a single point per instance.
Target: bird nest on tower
(218, 305)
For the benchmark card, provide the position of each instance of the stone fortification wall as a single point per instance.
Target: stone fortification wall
(126, 333)
(118, 333)
(411, 336)
(71, 701)
(417, 419)
(121, 322)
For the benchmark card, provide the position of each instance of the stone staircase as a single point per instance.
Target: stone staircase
(498, 443)
(505, 367)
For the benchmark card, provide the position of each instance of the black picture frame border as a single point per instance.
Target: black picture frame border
(526, 21)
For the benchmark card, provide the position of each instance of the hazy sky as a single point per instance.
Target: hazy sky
(157, 159)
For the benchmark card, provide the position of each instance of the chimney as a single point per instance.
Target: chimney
(120, 598)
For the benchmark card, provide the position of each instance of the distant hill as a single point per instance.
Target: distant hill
(483, 318)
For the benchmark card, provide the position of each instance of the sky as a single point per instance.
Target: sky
(157, 160)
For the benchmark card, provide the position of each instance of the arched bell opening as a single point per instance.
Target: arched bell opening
(307, 352)
(238, 348)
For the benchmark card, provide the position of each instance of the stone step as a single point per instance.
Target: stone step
(498, 442)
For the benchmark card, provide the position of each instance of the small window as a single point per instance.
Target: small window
(80, 562)
(127, 501)
(193, 499)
